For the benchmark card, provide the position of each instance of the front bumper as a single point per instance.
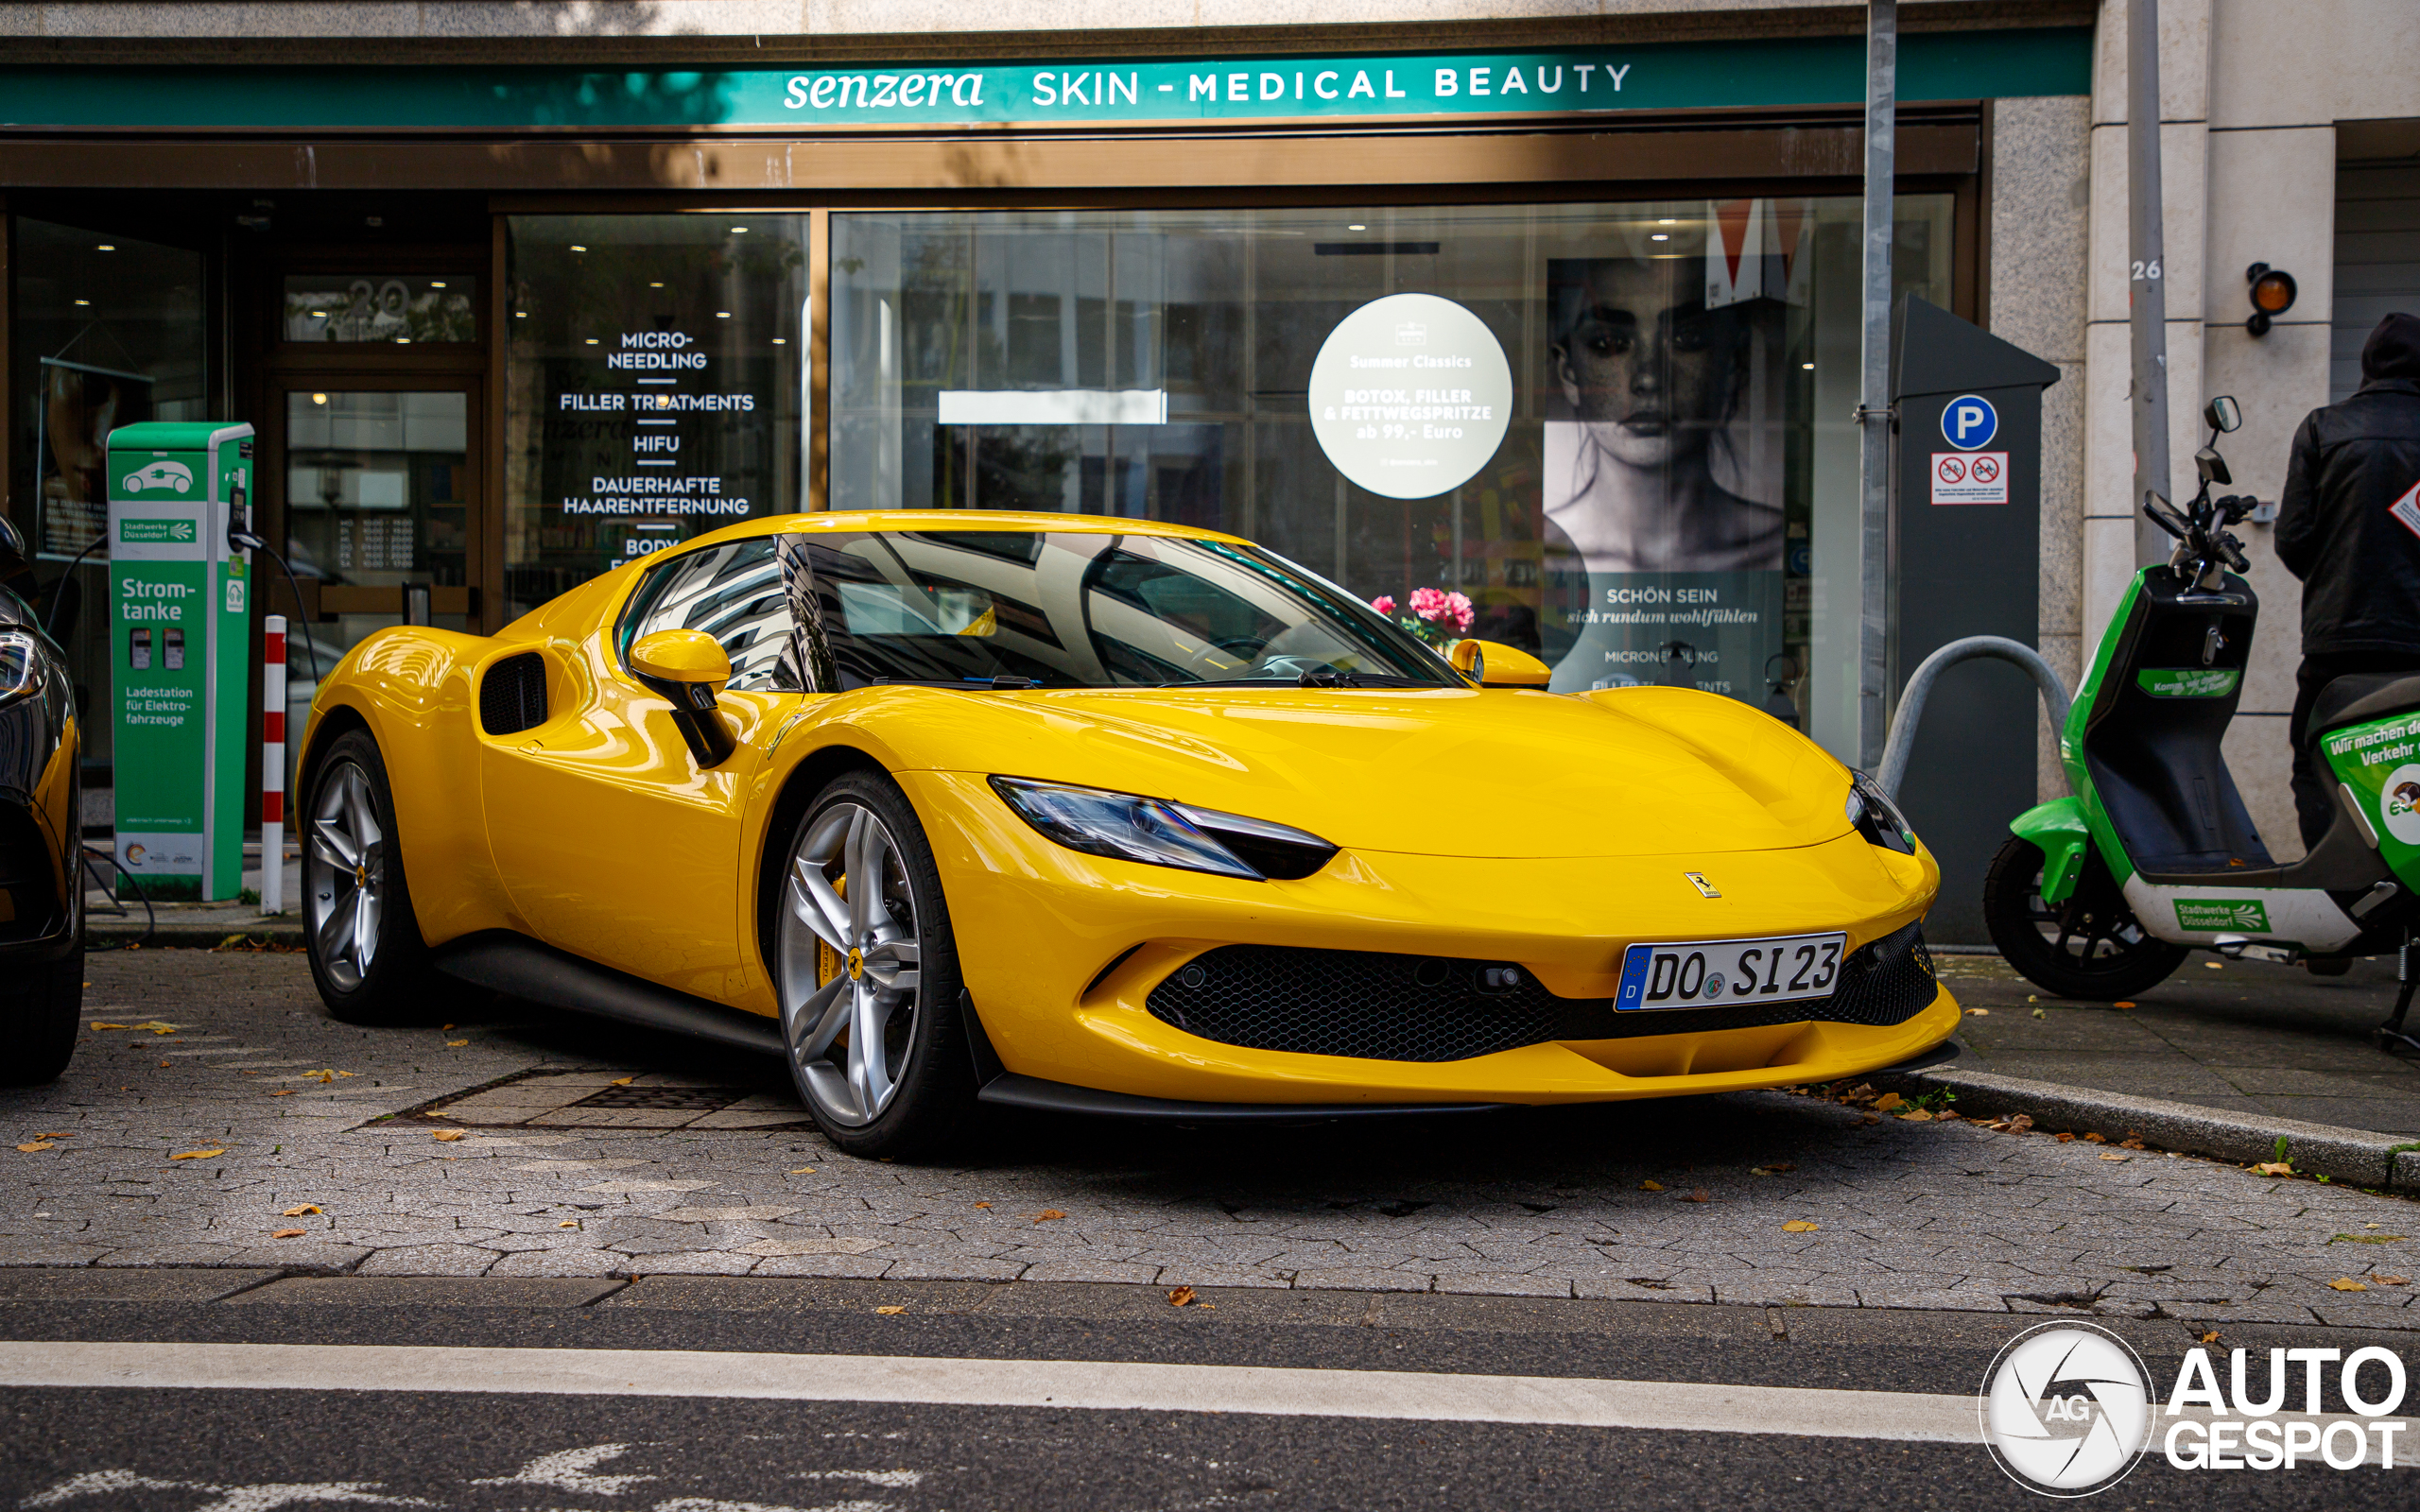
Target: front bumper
(1061, 954)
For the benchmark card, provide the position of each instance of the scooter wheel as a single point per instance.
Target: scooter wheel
(2090, 946)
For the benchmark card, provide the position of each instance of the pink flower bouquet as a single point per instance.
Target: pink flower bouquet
(1438, 617)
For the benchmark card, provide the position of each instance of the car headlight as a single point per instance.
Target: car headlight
(1130, 827)
(21, 664)
(1874, 816)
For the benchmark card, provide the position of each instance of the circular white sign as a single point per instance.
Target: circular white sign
(2399, 806)
(1411, 396)
(2067, 1409)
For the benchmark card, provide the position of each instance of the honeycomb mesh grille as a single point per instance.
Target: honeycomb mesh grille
(1382, 1006)
(512, 695)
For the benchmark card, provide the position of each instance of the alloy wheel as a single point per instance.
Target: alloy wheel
(849, 953)
(343, 864)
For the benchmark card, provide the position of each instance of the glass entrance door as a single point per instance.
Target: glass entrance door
(381, 505)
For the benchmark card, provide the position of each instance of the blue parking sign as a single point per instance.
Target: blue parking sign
(1969, 423)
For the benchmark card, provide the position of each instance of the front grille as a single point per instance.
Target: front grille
(1382, 1006)
(512, 695)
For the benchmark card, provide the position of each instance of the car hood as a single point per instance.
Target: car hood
(1639, 771)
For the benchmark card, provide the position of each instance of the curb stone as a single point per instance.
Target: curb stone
(2361, 1157)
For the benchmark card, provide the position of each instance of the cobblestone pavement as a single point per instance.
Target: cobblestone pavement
(2245, 1036)
(257, 1116)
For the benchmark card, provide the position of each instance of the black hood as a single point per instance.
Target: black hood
(2393, 349)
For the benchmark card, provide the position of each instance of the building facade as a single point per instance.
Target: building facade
(516, 291)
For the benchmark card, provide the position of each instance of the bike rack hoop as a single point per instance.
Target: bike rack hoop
(1902, 743)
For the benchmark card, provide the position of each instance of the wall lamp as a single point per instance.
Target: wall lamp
(2273, 295)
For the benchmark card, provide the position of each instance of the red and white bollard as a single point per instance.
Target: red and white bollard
(273, 767)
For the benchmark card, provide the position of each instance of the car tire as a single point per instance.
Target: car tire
(37, 1016)
(2090, 947)
(868, 985)
(363, 939)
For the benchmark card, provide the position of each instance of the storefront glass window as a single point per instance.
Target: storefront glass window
(1670, 475)
(107, 332)
(377, 495)
(653, 386)
(398, 309)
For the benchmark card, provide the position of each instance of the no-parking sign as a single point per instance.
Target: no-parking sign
(1970, 477)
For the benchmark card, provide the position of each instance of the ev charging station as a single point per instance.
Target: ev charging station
(1966, 559)
(179, 629)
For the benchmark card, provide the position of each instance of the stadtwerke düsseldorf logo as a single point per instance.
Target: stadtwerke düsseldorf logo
(2067, 1409)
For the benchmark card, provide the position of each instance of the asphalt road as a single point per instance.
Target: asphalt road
(249, 1450)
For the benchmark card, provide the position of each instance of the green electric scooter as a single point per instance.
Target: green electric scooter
(2103, 895)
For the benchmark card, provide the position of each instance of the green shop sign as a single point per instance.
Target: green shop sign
(1933, 65)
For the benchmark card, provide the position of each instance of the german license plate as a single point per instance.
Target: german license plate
(1708, 972)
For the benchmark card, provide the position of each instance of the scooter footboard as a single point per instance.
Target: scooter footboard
(2198, 914)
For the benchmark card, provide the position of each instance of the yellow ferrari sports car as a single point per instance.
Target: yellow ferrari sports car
(1094, 814)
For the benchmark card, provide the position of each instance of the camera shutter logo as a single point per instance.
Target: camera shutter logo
(2066, 1409)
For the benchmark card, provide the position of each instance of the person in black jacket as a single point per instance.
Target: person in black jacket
(2348, 525)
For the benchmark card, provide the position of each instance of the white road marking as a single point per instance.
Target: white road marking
(567, 1469)
(1069, 1383)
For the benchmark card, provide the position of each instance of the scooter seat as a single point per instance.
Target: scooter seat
(2363, 696)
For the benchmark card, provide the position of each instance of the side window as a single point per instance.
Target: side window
(734, 593)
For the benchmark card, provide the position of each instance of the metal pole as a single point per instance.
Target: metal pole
(1874, 382)
(273, 766)
(2146, 290)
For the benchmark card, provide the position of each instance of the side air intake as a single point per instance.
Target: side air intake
(512, 695)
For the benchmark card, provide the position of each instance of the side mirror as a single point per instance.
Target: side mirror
(688, 668)
(2222, 414)
(1494, 664)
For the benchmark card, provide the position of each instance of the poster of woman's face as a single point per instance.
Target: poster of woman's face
(80, 408)
(1650, 471)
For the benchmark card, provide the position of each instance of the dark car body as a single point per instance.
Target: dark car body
(41, 899)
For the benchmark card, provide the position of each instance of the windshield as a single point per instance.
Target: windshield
(1081, 610)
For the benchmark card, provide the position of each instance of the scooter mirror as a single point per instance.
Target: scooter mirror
(2223, 414)
(2213, 466)
(2163, 515)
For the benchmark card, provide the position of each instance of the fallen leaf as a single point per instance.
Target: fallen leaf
(1979, 1013)
(2274, 1168)
(621, 1081)
(2064, 1139)
(1800, 1225)
(1182, 1296)
(289, 1233)
(2041, 1013)
(158, 1026)
(887, 1311)
(1774, 1169)
(1696, 1194)
(2130, 1145)
(37, 1147)
(2122, 1005)
(2214, 966)
(804, 1170)
(69, 1135)
(324, 1075)
(98, 1025)
(444, 1026)
(2345, 1284)
(1650, 1186)
(568, 1223)
(303, 1211)
(2211, 1337)
(456, 1044)
(2020, 1122)
(1918, 1116)
(2114, 1155)
(982, 1204)
(1948, 1115)
(198, 1154)
(1046, 1214)
(1888, 1101)
(1869, 1118)
(283, 1091)
(163, 1065)
(2095, 1139)
(2392, 1280)
(445, 1135)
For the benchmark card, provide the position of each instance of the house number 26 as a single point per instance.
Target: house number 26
(2149, 270)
